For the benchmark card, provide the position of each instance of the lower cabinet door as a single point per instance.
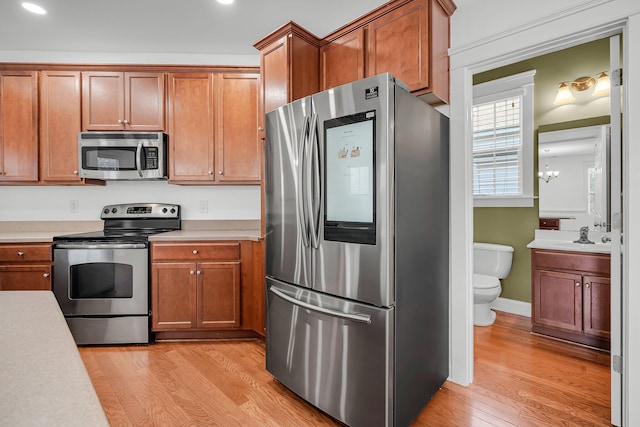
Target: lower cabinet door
(173, 301)
(597, 306)
(557, 299)
(335, 353)
(218, 295)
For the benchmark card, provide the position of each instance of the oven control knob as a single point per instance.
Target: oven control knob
(164, 210)
(173, 210)
(106, 211)
(114, 210)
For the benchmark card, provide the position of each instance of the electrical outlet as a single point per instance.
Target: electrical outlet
(204, 206)
(74, 206)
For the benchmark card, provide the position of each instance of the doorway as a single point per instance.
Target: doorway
(515, 226)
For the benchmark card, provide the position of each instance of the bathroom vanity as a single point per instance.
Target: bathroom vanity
(571, 295)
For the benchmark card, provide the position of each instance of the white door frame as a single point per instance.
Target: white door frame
(461, 204)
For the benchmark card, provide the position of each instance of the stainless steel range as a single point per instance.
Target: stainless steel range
(101, 278)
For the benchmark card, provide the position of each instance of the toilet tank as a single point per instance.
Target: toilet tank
(492, 259)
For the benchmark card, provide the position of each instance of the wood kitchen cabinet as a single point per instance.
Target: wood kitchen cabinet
(213, 128)
(195, 286)
(60, 122)
(289, 66)
(25, 266)
(116, 101)
(571, 294)
(239, 151)
(18, 126)
(407, 38)
(343, 60)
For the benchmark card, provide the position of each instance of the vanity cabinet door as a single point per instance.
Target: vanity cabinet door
(597, 306)
(557, 299)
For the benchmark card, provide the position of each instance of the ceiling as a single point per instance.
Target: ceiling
(165, 26)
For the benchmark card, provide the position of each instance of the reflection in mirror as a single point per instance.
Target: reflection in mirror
(579, 195)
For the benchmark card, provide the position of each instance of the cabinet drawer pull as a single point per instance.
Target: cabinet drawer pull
(195, 252)
(20, 253)
(577, 284)
(45, 275)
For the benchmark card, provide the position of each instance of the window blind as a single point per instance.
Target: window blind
(497, 148)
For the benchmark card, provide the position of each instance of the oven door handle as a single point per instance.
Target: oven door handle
(100, 246)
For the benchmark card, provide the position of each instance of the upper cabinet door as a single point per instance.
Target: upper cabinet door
(144, 101)
(398, 44)
(191, 128)
(274, 65)
(238, 143)
(102, 101)
(342, 61)
(59, 125)
(113, 101)
(18, 126)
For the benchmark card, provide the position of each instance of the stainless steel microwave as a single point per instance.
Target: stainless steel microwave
(122, 155)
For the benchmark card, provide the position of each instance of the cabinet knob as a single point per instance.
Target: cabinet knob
(192, 272)
(260, 128)
(219, 172)
(75, 172)
(587, 285)
(195, 252)
(126, 122)
(198, 272)
(210, 172)
(20, 253)
(45, 275)
(119, 121)
(577, 284)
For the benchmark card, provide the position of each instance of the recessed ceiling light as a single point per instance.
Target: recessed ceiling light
(34, 8)
(225, 1)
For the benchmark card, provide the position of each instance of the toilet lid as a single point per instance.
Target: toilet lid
(481, 281)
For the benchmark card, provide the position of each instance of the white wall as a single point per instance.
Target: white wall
(487, 34)
(52, 203)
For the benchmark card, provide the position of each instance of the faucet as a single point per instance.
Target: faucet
(584, 236)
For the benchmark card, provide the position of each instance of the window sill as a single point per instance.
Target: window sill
(503, 202)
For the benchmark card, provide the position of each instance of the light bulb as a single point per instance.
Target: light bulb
(564, 95)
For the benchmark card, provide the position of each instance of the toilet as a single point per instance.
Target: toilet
(491, 262)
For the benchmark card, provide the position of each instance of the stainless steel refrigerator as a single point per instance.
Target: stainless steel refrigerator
(357, 251)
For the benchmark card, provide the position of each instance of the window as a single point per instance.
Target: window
(503, 142)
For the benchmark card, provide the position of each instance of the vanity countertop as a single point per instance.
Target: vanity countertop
(563, 241)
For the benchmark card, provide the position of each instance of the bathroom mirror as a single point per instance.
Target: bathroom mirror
(574, 186)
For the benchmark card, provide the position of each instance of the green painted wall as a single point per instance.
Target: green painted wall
(516, 226)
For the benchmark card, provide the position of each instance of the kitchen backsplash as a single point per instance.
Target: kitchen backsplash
(71, 203)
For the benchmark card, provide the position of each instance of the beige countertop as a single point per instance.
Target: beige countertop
(43, 381)
(32, 231)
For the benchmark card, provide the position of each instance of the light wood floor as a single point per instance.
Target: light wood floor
(520, 380)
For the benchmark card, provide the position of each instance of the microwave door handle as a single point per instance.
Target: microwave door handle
(139, 158)
(313, 182)
(302, 218)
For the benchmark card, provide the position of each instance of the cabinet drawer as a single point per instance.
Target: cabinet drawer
(549, 224)
(571, 261)
(26, 252)
(194, 251)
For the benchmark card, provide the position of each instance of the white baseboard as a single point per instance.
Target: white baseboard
(512, 306)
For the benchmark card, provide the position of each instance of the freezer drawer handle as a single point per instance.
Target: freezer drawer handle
(364, 318)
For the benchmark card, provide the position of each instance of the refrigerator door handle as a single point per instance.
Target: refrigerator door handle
(363, 318)
(302, 218)
(313, 182)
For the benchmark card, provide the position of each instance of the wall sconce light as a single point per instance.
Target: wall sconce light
(602, 87)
